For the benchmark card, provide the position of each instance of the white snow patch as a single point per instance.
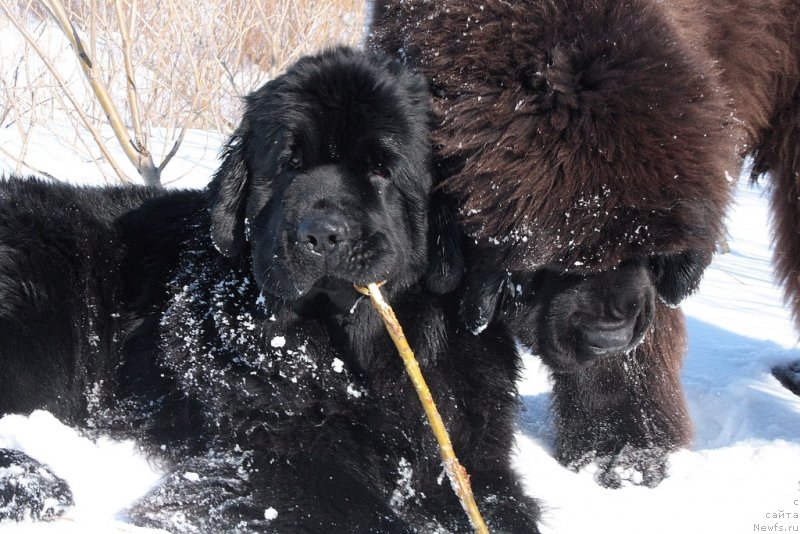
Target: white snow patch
(404, 489)
(104, 476)
(353, 391)
(479, 328)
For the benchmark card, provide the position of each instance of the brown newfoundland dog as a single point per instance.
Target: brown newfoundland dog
(589, 148)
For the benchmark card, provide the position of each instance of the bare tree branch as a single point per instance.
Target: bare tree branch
(173, 151)
(70, 96)
(140, 158)
(21, 163)
(169, 66)
(127, 52)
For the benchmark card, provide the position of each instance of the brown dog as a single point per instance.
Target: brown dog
(590, 148)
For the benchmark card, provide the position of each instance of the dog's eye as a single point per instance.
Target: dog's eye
(380, 171)
(294, 160)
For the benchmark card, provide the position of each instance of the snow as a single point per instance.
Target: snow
(104, 476)
(191, 477)
(53, 151)
(404, 489)
(277, 342)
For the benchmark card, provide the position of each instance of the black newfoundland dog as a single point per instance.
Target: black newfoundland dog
(221, 328)
(590, 147)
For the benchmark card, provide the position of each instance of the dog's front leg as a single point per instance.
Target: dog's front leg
(235, 491)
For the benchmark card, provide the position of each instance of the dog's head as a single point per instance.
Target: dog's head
(591, 136)
(573, 319)
(327, 179)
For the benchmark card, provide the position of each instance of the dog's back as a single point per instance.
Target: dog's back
(60, 259)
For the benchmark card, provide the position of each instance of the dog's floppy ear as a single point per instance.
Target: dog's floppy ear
(678, 275)
(445, 256)
(227, 198)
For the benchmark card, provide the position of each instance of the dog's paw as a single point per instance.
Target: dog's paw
(29, 490)
(509, 514)
(481, 299)
(788, 375)
(208, 493)
(631, 466)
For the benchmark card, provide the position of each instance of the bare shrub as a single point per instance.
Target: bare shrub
(168, 65)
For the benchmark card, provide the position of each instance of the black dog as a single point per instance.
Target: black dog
(222, 328)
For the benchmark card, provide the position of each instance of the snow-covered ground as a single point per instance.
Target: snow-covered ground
(742, 474)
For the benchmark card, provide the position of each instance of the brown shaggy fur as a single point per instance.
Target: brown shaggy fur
(592, 131)
(757, 49)
(579, 134)
(585, 132)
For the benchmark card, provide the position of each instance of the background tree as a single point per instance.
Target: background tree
(135, 75)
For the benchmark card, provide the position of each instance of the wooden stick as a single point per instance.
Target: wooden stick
(459, 479)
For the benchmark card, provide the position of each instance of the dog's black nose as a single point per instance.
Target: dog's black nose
(322, 233)
(614, 330)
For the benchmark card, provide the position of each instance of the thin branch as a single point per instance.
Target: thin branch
(84, 142)
(23, 163)
(185, 42)
(141, 160)
(63, 84)
(25, 133)
(459, 479)
(93, 27)
(127, 53)
(173, 151)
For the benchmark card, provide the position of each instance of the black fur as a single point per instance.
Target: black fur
(231, 341)
(579, 318)
(29, 490)
(677, 276)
